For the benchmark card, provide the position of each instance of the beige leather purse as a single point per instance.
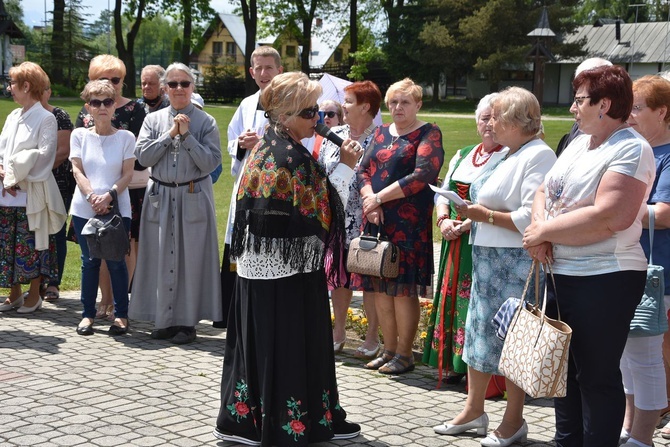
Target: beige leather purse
(373, 256)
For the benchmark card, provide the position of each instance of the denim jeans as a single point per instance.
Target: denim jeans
(90, 271)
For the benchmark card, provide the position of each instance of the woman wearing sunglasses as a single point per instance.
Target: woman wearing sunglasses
(279, 365)
(102, 160)
(127, 114)
(332, 113)
(177, 280)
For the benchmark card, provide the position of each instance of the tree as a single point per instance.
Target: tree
(250, 17)
(296, 18)
(57, 40)
(126, 50)
(190, 13)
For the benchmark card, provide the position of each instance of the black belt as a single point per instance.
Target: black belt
(175, 184)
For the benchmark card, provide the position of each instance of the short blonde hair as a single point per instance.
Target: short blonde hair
(98, 88)
(104, 62)
(33, 74)
(266, 51)
(286, 96)
(516, 106)
(406, 86)
(656, 92)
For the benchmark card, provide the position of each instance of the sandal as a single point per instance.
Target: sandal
(52, 293)
(104, 311)
(380, 361)
(665, 431)
(398, 365)
(363, 353)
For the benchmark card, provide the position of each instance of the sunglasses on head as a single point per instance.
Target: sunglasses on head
(114, 81)
(309, 113)
(182, 84)
(96, 103)
(330, 114)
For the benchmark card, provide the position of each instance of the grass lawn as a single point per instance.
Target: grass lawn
(457, 133)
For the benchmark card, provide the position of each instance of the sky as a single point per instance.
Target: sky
(33, 10)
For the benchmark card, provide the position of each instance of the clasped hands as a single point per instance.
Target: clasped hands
(180, 125)
(101, 203)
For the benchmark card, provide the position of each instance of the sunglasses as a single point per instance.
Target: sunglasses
(330, 114)
(114, 81)
(182, 84)
(96, 103)
(309, 113)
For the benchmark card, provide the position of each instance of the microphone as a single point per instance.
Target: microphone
(329, 135)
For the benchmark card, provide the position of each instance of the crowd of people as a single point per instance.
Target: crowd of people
(298, 201)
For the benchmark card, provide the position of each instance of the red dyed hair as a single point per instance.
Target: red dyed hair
(611, 82)
(366, 92)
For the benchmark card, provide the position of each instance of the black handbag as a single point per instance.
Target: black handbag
(106, 235)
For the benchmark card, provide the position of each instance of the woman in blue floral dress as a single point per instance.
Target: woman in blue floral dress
(394, 176)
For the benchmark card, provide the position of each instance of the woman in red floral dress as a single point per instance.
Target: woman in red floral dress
(394, 176)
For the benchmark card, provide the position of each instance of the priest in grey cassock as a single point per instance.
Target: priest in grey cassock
(176, 281)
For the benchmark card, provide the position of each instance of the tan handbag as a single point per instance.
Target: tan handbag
(373, 256)
(535, 352)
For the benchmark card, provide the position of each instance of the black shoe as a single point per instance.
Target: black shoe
(453, 379)
(165, 333)
(234, 438)
(345, 430)
(185, 335)
(118, 330)
(85, 330)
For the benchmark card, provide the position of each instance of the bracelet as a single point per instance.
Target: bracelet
(441, 219)
(491, 217)
(185, 135)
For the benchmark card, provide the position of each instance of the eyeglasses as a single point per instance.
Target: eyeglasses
(114, 80)
(309, 113)
(637, 108)
(12, 82)
(182, 84)
(330, 114)
(579, 100)
(96, 103)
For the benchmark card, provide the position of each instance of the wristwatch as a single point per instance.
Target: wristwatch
(185, 135)
(378, 199)
(88, 196)
(491, 217)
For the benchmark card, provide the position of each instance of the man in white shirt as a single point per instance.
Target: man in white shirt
(244, 131)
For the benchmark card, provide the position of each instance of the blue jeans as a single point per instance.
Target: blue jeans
(90, 270)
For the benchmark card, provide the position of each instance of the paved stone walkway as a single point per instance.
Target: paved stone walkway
(62, 389)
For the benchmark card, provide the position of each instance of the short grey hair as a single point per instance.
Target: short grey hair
(155, 69)
(591, 63)
(485, 102)
(181, 67)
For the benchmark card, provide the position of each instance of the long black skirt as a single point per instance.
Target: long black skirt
(278, 384)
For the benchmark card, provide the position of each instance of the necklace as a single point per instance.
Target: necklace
(478, 154)
(402, 130)
(608, 136)
(361, 137)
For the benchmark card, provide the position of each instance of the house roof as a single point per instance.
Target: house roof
(325, 38)
(647, 42)
(235, 26)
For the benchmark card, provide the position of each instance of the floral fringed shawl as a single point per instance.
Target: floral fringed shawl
(284, 198)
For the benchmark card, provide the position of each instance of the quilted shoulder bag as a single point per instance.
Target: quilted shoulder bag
(106, 235)
(373, 256)
(650, 317)
(535, 353)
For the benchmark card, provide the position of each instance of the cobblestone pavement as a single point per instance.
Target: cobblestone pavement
(62, 389)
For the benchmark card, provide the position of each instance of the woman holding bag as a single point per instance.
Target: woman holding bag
(394, 176)
(587, 216)
(102, 159)
(500, 211)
